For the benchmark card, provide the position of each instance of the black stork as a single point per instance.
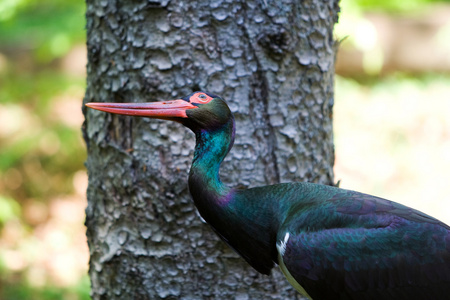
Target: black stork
(329, 242)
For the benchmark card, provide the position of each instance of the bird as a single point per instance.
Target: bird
(329, 242)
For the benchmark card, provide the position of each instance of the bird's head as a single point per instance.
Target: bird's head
(199, 110)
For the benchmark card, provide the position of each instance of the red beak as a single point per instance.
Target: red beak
(159, 110)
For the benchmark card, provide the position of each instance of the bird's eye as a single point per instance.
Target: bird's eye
(202, 97)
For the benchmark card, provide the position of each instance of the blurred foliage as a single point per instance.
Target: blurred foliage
(20, 291)
(41, 152)
(392, 139)
(9, 209)
(382, 36)
(48, 27)
(390, 6)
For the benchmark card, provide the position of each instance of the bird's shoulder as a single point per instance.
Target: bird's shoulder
(309, 205)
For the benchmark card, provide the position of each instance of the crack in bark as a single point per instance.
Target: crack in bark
(260, 92)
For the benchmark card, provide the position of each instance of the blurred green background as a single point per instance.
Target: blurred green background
(392, 127)
(43, 251)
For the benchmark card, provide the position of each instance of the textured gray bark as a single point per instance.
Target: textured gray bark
(272, 61)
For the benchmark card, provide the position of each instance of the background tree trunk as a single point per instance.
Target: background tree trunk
(272, 61)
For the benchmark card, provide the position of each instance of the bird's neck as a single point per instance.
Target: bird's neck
(211, 148)
(247, 225)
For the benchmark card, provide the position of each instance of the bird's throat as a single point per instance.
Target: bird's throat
(211, 148)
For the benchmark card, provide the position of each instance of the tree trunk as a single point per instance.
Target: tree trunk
(272, 61)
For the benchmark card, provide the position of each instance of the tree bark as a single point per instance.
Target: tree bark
(272, 61)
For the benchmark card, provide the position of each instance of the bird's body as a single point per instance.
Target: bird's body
(330, 243)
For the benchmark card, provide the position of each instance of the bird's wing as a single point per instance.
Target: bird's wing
(359, 204)
(367, 248)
